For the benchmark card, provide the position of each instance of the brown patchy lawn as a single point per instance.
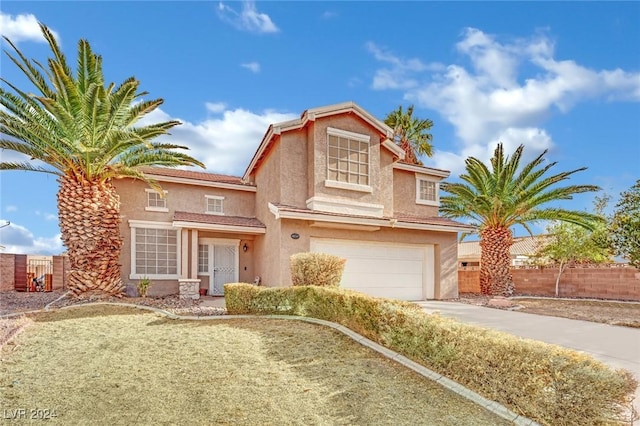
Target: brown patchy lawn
(608, 312)
(114, 365)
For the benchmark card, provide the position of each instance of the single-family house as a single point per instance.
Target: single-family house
(523, 251)
(330, 181)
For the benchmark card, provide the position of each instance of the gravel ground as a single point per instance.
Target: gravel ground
(13, 302)
(16, 301)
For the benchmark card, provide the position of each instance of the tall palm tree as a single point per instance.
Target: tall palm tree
(84, 132)
(497, 198)
(411, 134)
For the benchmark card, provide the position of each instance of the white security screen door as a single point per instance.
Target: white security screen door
(224, 268)
(222, 261)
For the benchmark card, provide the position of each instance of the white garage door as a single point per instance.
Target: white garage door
(395, 271)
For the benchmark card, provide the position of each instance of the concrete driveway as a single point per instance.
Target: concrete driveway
(616, 346)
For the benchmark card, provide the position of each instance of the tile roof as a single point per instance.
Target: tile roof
(522, 246)
(218, 219)
(190, 174)
(422, 220)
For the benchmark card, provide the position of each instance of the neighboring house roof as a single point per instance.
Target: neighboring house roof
(522, 246)
(433, 223)
(201, 178)
(237, 224)
(311, 115)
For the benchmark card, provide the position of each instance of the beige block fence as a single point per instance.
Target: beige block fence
(614, 282)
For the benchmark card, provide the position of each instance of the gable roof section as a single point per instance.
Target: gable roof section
(432, 223)
(238, 224)
(191, 177)
(311, 115)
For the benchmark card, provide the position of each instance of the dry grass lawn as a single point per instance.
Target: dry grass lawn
(615, 313)
(112, 365)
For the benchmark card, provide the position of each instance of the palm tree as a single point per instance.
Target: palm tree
(84, 132)
(411, 134)
(495, 200)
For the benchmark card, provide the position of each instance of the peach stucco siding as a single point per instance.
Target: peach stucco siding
(445, 243)
(189, 198)
(404, 195)
(291, 171)
(268, 178)
(353, 124)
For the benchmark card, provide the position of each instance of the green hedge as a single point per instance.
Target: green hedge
(546, 383)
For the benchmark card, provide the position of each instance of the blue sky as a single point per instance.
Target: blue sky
(562, 76)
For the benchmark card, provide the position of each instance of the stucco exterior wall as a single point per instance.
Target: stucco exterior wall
(385, 188)
(445, 245)
(181, 197)
(354, 124)
(404, 195)
(246, 271)
(293, 166)
(268, 179)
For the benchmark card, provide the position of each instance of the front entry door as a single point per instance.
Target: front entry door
(222, 259)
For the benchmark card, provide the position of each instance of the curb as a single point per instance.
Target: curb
(492, 406)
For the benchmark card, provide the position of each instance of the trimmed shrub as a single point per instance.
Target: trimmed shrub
(319, 269)
(547, 383)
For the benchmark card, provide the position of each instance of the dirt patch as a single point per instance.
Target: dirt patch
(117, 365)
(625, 314)
(615, 313)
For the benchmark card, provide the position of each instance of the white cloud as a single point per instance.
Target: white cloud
(397, 75)
(225, 144)
(22, 28)
(19, 240)
(46, 216)
(216, 107)
(254, 67)
(493, 99)
(248, 19)
(11, 208)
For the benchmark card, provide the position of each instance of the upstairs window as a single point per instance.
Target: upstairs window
(427, 192)
(214, 204)
(156, 202)
(348, 158)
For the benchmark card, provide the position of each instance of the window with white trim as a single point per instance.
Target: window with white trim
(203, 258)
(348, 157)
(214, 204)
(155, 201)
(155, 252)
(427, 192)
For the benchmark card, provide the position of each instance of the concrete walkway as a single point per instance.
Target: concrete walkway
(616, 346)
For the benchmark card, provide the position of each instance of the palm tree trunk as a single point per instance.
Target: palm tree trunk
(495, 261)
(90, 224)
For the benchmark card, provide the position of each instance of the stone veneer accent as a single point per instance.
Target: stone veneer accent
(189, 288)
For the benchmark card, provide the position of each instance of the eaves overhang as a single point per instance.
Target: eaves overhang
(300, 214)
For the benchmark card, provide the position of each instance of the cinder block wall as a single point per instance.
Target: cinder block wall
(600, 283)
(7, 271)
(13, 272)
(469, 280)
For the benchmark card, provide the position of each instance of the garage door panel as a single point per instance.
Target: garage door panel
(382, 270)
